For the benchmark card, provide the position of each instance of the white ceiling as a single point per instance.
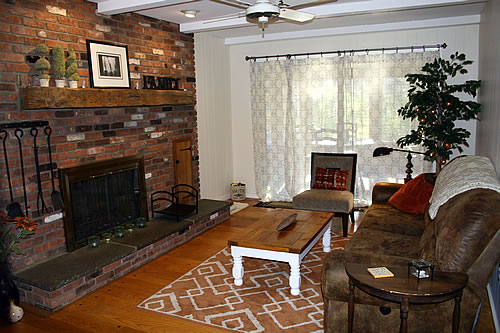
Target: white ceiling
(342, 16)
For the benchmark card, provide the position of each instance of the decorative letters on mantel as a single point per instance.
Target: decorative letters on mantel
(160, 83)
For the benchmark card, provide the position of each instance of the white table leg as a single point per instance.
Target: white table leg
(295, 276)
(327, 238)
(238, 270)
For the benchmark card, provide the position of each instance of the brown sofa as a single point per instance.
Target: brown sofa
(463, 237)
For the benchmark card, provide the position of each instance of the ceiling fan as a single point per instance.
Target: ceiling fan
(266, 11)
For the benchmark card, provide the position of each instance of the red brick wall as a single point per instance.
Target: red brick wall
(83, 136)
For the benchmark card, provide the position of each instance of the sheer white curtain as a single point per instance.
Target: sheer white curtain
(330, 104)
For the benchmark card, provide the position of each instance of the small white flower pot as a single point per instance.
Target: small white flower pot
(60, 83)
(73, 84)
(44, 82)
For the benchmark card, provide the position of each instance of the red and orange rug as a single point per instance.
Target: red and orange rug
(263, 303)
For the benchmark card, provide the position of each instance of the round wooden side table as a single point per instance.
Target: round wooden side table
(406, 290)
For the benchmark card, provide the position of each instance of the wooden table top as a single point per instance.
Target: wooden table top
(393, 288)
(293, 239)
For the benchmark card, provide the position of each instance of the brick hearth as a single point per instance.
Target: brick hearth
(64, 279)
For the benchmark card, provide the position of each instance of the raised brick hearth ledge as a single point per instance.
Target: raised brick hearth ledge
(64, 279)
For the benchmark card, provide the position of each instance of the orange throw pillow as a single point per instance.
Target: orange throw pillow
(413, 197)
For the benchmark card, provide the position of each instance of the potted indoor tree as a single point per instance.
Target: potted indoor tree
(59, 65)
(71, 70)
(433, 103)
(42, 65)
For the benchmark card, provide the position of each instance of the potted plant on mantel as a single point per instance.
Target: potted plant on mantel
(71, 70)
(42, 65)
(59, 65)
(433, 103)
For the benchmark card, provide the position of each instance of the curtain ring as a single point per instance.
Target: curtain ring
(383, 50)
(366, 51)
(288, 56)
(340, 54)
(423, 47)
(267, 58)
(397, 49)
(321, 54)
(412, 49)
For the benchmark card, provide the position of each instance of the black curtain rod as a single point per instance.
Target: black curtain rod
(344, 52)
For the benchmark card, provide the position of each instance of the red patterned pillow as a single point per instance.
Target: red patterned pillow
(330, 179)
(413, 197)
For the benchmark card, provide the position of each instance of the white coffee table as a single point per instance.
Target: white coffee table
(290, 245)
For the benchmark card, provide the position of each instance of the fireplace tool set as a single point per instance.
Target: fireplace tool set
(33, 128)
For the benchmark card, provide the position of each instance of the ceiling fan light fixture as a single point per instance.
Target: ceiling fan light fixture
(190, 13)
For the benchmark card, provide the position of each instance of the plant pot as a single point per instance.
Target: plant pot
(8, 290)
(73, 84)
(44, 82)
(60, 83)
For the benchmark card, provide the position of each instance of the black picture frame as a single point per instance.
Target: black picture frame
(108, 65)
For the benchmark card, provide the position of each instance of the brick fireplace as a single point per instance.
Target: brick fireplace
(106, 128)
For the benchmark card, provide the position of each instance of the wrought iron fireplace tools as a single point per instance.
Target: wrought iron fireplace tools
(14, 208)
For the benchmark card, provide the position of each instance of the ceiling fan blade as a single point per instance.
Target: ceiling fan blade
(294, 15)
(309, 3)
(225, 17)
(236, 3)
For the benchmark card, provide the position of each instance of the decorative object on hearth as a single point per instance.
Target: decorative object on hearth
(383, 151)
(108, 65)
(42, 65)
(106, 237)
(141, 222)
(130, 227)
(12, 230)
(71, 70)
(119, 232)
(94, 242)
(59, 62)
(432, 102)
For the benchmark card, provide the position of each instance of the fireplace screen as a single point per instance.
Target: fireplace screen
(101, 196)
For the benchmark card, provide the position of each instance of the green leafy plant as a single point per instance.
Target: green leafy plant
(71, 70)
(59, 62)
(12, 230)
(42, 64)
(433, 103)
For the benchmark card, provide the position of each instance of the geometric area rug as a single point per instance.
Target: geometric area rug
(207, 294)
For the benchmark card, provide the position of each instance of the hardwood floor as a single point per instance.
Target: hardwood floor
(113, 308)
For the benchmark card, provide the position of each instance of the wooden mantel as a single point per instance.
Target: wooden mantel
(65, 98)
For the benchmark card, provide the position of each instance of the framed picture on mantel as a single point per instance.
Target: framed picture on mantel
(108, 65)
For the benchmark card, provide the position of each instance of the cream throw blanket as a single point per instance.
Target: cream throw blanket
(460, 175)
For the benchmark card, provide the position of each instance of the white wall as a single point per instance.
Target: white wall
(459, 38)
(214, 116)
(488, 133)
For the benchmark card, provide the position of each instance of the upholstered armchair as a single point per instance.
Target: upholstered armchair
(332, 186)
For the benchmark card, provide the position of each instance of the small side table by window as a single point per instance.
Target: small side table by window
(445, 286)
